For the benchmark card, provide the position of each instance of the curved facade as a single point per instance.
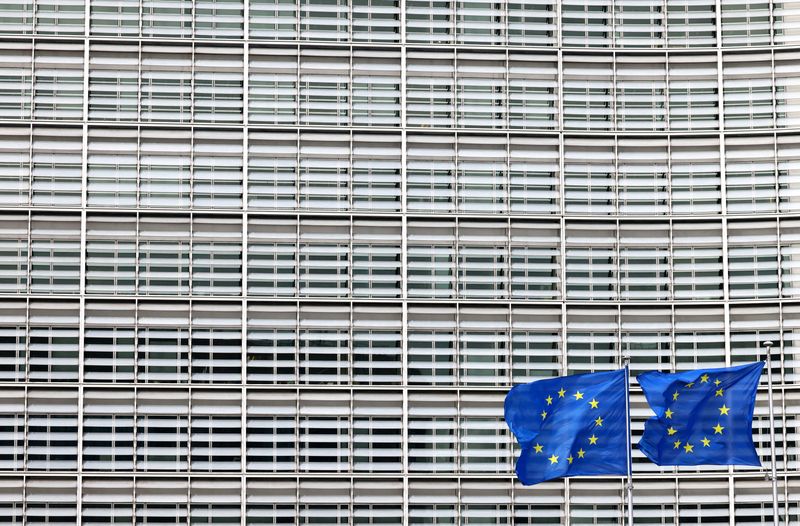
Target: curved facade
(278, 262)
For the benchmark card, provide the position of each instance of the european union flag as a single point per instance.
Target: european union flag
(703, 416)
(572, 425)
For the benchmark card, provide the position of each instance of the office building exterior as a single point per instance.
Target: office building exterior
(278, 262)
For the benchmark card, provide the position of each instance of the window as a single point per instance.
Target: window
(750, 174)
(747, 91)
(644, 261)
(376, 167)
(16, 80)
(642, 176)
(324, 171)
(272, 344)
(376, 259)
(272, 170)
(589, 176)
(691, 23)
(114, 17)
(17, 18)
(55, 254)
(788, 162)
(376, 88)
(323, 355)
(586, 24)
(637, 25)
(113, 82)
(271, 256)
(219, 18)
(532, 91)
(432, 431)
(107, 501)
(695, 176)
(58, 81)
(431, 173)
(641, 92)
(431, 259)
(216, 343)
(165, 160)
(483, 346)
(588, 92)
(376, 20)
(111, 254)
(481, 87)
(51, 501)
(591, 262)
(532, 23)
(430, 90)
(162, 432)
(697, 260)
(216, 256)
(699, 338)
(324, 433)
(273, 19)
(166, 83)
(60, 17)
(52, 442)
(752, 260)
(14, 252)
(592, 340)
(161, 501)
(325, 20)
(12, 423)
(377, 431)
(430, 21)
(432, 345)
(162, 344)
(693, 92)
(15, 166)
(272, 86)
(533, 175)
(164, 254)
(108, 424)
(377, 345)
(646, 337)
(482, 174)
(271, 425)
(324, 87)
(217, 169)
(112, 160)
(216, 434)
(535, 344)
(56, 170)
(746, 23)
(218, 83)
(172, 19)
(483, 260)
(109, 342)
(324, 258)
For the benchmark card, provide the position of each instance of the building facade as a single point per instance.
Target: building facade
(278, 261)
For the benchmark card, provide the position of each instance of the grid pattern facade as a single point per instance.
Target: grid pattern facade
(278, 261)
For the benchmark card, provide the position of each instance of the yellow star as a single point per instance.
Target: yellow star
(724, 410)
(671, 431)
(677, 444)
(544, 415)
(581, 452)
(690, 384)
(549, 400)
(688, 448)
(598, 422)
(668, 413)
(553, 459)
(704, 379)
(561, 393)
(719, 392)
(717, 382)
(538, 448)
(706, 442)
(594, 403)
(578, 395)
(592, 440)
(675, 395)
(569, 459)
(718, 429)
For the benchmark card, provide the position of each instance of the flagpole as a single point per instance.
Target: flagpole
(775, 518)
(629, 484)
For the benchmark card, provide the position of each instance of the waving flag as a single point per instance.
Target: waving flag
(572, 425)
(703, 416)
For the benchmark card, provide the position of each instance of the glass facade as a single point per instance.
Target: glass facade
(278, 262)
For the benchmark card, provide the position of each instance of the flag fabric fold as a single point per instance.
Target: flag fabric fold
(571, 425)
(704, 416)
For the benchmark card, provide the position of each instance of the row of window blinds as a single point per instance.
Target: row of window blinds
(42, 166)
(286, 257)
(546, 501)
(361, 344)
(675, 23)
(362, 87)
(294, 431)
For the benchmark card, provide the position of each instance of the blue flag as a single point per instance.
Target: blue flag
(572, 425)
(703, 416)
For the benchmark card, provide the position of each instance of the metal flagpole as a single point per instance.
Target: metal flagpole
(629, 484)
(768, 348)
